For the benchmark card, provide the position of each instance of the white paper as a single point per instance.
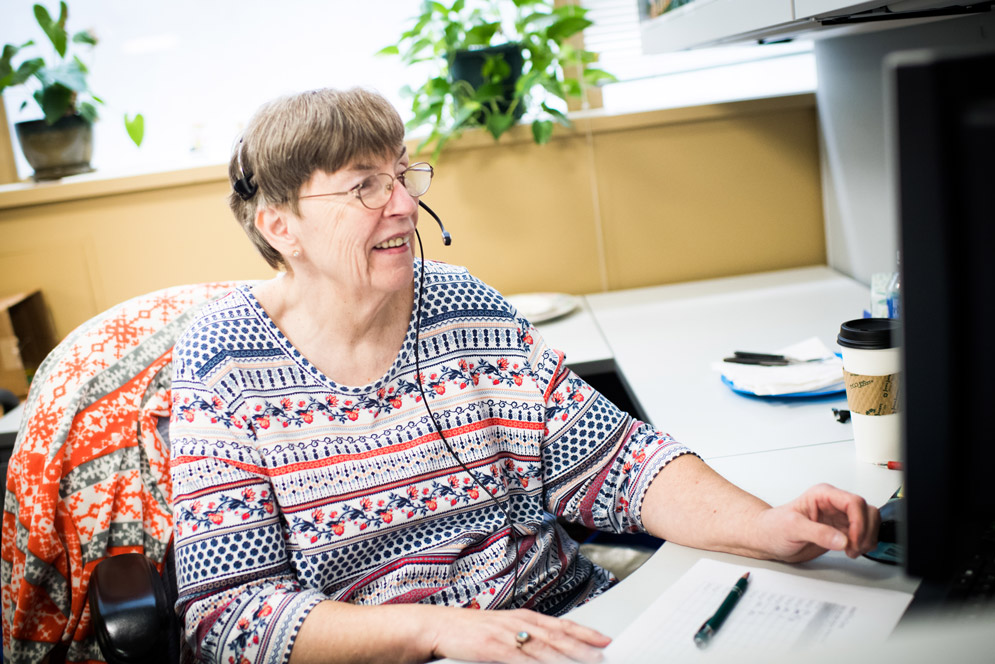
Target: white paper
(807, 376)
(778, 613)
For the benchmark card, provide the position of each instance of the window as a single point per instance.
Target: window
(197, 69)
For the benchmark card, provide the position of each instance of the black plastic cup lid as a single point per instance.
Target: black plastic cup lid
(870, 333)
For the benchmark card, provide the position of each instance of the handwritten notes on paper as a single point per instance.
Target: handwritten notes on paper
(779, 613)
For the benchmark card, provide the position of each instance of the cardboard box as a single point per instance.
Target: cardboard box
(26, 337)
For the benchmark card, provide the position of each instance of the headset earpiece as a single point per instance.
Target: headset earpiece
(244, 186)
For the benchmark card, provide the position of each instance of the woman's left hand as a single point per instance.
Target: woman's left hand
(822, 519)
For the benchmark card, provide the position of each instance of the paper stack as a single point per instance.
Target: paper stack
(814, 370)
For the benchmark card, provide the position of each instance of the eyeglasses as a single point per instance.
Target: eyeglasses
(375, 191)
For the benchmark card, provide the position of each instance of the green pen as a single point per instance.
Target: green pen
(705, 633)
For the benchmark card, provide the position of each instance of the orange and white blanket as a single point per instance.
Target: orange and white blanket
(89, 476)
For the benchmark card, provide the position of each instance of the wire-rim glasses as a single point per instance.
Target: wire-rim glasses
(375, 191)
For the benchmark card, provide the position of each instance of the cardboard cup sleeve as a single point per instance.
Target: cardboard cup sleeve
(872, 395)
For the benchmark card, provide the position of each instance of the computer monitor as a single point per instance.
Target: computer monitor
(942, 111)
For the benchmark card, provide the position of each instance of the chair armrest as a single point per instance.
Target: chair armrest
(129, 610)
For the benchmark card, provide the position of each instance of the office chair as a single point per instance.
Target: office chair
(89, 480)
(131, 607)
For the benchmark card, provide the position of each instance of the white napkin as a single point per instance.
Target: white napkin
(822, 376)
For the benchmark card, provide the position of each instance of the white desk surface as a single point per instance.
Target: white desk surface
(665, 339)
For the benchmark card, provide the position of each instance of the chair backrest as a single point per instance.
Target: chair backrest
(89, 476)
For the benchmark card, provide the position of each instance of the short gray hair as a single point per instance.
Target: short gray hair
(290, 138)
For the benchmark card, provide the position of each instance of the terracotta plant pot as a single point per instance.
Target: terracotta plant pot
(57, 150)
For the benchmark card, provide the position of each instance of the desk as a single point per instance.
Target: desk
(664, 340)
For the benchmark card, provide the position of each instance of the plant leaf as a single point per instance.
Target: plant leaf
(571, 87)
(559, 89)
(68, 75)
(389, 50)
(480, 35)
(535, 22)
(559, 115)
(135, 127)
(9, 51)
(498, 123)
(437, 87)
(55, 101)
(417, 47)
(542, 131)
(597, 76)
(525, 82)
(27, 69)
(587, 57)
(489, 91)
(495, 68)
(85, 37)
(567, 27)
(88, 111)
(564, 11)
(55, 31)
(422, 116)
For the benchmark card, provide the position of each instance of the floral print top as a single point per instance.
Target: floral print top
(290, 489)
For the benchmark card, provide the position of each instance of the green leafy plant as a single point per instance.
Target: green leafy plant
(538, 28)
(61, 88)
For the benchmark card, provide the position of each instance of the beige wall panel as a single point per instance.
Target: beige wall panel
(712, 198)
(521, 215)
(651, 198)
(90, 254)
(167, 237)
(62, 271)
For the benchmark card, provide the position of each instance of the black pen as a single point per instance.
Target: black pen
(705, 633)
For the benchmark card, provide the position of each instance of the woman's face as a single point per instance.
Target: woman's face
(353, 247)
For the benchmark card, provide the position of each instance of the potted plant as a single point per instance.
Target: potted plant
(60, 144)
(493, 62)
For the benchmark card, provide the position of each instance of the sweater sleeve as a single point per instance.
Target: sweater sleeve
(598, 461)
(238, 596)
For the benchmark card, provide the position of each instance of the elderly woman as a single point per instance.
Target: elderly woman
(368, 446)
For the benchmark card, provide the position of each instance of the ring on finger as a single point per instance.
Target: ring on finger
(522, 638)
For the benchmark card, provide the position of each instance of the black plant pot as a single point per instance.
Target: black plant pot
(57, 150)
(468, 65)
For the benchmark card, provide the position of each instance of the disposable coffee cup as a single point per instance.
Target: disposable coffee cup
(871, 365)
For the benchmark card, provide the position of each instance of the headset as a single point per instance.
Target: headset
(244, 186)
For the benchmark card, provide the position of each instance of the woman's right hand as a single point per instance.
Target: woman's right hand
(340, 632)
(491, 636)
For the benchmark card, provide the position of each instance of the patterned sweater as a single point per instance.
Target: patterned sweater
(290, 489)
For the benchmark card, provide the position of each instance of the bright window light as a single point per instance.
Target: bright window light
(197, 70)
